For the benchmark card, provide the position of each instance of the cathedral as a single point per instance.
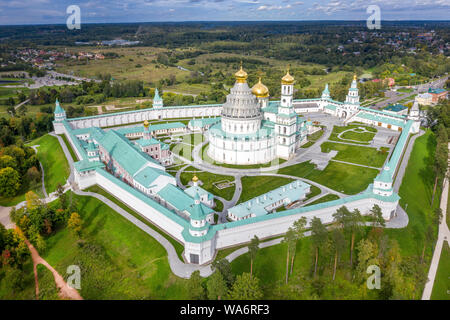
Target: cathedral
(253, 130)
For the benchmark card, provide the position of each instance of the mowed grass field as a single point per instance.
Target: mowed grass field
(258, 185)
(342, 177)
(357, 154)
(208, 179)
(51, 155)
(441, 287)
(117, 260)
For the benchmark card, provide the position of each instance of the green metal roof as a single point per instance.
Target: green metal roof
(58, 108)
(330, 107)
(121, 150)
(192, 191)
(379, 118)
(180, 200)
(148, 175)
(86, 165)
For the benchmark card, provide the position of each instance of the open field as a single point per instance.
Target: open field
(178, 246)
(256, 186)
(360, 155)
(51, 155)
(208, 179)
(341, 177)
(118, 260)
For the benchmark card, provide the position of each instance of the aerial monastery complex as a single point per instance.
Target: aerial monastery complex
(122, 154)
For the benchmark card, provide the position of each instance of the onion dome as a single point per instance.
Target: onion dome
(354, 77)
(146, 124)
(241, 75)
(195, 179)
(260, 90)
(287, 79)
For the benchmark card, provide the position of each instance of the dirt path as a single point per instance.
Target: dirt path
(65, 292)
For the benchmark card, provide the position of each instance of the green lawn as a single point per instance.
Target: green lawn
(55, 164)
(117, 260)
(258, 185)
(341, 177)
(69, 147)
(339, 129)
(441, 287)
(47, 285)
(357, 154)
(415, 193)
(179, 248)
(358, 136)
(208, 179)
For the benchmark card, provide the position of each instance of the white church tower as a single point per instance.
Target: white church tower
(351, 103)
(60, 116)
(286, 121)
(157, 100)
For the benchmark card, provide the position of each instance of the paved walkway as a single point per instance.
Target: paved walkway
(444, 235)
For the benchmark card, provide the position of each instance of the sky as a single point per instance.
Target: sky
(112, 11)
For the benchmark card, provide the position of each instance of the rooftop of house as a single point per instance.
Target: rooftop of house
(122, 150)
(257, 206)
(180, 199)
(147, 176)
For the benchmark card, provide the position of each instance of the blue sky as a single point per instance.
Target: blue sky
(109, 11)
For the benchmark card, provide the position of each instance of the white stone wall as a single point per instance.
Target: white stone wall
(116, 119)
(157, 218)
(241, 151)
(268, 228)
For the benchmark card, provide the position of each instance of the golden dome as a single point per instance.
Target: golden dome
(354, 77)
(260, 90)
(287, 79)
(241, 75)
(194, 179)
(146, 124)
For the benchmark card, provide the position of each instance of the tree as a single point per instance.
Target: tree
(290, 239)
(8, 161)
(246, 287)
(338, 244)
(367, 255)
(224, 267)
(253, 250)
(33, 174)
(376, 216)
(195, 287)
(299, 228)
(354, 226)
(441, 157)
(9, 182)
(32, 200)
(318, 236)
(61, 196)
(75, 223)
(216, 286)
